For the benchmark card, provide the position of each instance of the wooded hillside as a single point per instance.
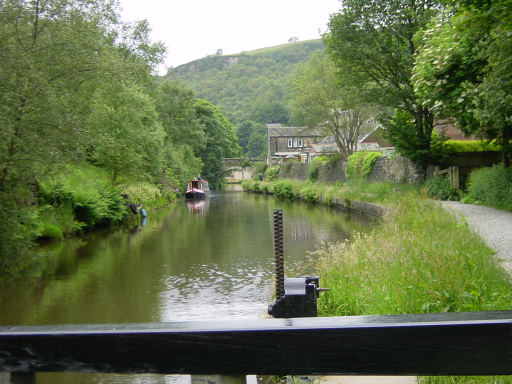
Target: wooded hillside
(243, 84)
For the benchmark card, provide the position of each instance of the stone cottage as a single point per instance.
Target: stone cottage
(284, 143)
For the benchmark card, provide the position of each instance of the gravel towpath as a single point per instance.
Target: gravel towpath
(493, 225)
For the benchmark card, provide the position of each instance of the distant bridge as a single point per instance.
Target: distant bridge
(234, 170)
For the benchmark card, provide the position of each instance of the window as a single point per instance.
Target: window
(299, 142)
(294, 143)
(290, 141)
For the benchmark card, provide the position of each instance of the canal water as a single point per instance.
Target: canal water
(210, 259)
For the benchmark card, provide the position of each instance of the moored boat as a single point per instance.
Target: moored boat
(196, 189)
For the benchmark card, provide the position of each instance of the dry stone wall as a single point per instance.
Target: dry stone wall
(397, 170)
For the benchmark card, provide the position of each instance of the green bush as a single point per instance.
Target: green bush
(247, 184)
(309, 193)
(283, 189)
(438, 187)
(259, 167)
(314, 167)
(312, 174)
(492, 187)
(469, 146)
(254, 186)
(359, 164)
(147, 194)
(272, 172)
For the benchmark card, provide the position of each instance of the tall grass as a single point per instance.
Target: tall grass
(421, 260)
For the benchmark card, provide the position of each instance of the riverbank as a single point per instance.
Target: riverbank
(420, 259)
(78, 199)
(70, 201)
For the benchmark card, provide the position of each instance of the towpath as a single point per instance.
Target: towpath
(493, 225)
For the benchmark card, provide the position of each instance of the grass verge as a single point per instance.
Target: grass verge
(356, 190)
(422, 259)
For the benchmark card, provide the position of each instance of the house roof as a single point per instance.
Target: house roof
(277, 130)
(327, 147)
(375, 136)
(447, 128)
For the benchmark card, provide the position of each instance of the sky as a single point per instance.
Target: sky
(193, 29)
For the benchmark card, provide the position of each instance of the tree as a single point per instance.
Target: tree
(128, 138)
(273, 112)
(464, 69)
(317, 101)
(245, 131)
(56, 54)
(185, 136)
(257, 146)
(58, 57)
(372, 44)
(220, 140)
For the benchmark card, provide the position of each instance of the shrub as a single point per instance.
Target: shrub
(315, 165)
(146, 194)
(438, 187)
(283, 189)
(312, 174)
(469, 146)
(259, 167)
(334, 158)
(492, 187)
(359, 164)
(247, 184)
(272, 172)
(369, 159)
(309, 193)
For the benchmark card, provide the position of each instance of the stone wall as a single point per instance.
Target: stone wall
(294, 171)
(332, 172)
(397, 170)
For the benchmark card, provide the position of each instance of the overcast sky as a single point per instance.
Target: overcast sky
(192, 29)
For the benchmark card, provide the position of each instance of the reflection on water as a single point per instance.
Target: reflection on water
(209, 259)
(199, 207)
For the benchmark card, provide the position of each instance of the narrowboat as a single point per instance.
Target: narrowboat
(196, 189)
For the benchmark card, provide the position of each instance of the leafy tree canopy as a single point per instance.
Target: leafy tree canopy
(318, 101)
(464, 69)
(221, 140)
(372, 44)
(246, 129)
(274, 112)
